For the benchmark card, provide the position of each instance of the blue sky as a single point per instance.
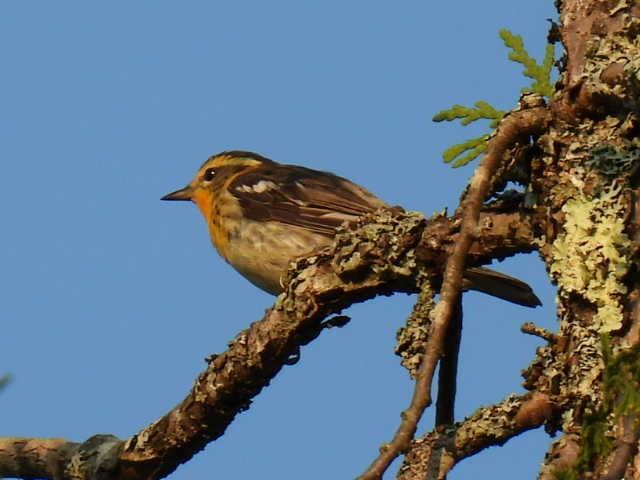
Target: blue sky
(112, 299)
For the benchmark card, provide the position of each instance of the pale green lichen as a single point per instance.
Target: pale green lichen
(610, 162)
(591, 256)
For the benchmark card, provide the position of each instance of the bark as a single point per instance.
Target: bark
(385, 252)
(584, 177)
(582, 155)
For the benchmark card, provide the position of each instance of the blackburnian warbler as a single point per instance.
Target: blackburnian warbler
(262, 215)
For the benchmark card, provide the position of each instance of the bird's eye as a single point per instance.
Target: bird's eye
(209, 174)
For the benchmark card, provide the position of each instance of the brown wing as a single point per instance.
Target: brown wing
(310, 199)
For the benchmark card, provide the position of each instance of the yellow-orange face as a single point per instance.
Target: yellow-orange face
(214, 177)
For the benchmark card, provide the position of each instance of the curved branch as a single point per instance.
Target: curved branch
(379, 255)
(533, 118)
(434, 455)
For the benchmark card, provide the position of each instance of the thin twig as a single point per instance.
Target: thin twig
(448, 373)
(531, 328)
(513, 127)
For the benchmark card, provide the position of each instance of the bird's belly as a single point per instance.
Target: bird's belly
(262, 251)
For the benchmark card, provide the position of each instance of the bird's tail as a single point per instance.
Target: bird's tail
(500, 285)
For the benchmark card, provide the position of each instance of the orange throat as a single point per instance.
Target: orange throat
(204, 200)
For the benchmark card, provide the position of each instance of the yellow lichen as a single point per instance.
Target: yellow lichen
(591, 256)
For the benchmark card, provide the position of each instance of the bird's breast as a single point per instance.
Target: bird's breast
(262, 251)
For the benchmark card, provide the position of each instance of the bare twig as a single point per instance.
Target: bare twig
(530, 120)
(531, 329)
(448, 373)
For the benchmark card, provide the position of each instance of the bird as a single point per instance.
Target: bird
(262, 215)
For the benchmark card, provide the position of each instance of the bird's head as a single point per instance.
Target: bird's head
(214, 176)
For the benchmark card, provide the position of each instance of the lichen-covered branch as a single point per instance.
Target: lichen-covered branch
(377, 255)
(531, 119)
(58, 458)
(434, 455)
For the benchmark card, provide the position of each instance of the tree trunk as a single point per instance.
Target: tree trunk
(584, 179)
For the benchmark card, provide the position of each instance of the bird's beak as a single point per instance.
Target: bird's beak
(183, 194)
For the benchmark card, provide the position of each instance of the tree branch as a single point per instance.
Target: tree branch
(532, 119)
(434, 455)
(58, 458)
(448, 373)
(377, 256)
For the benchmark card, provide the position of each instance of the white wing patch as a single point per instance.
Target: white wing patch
(260, 187)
